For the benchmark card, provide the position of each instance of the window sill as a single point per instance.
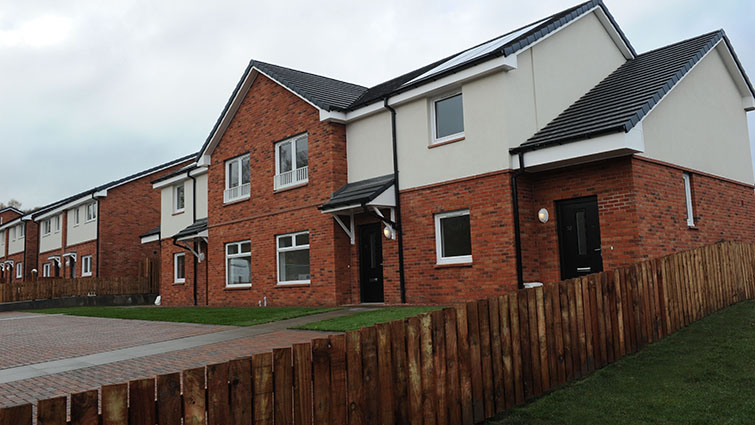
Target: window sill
(179, 283)
(235, 201)
(292, 285)
(241, 287)
(454, 265)
(89, 221)
(447, 142)
(293, 186)
(86, 275)
(179, 212)
(693, 227)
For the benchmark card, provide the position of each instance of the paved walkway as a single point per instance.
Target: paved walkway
(60, 376)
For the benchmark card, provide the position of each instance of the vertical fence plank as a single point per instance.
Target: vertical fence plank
(496, 354)
(370, 373)
(478, 403)
(580, 322)
(465, 368)
(218, 412)
(525, 344)
(429, 405)
(542, 339)
(537, 383)
(485, 360)
(400, 374)
(452, 367)
(439, 361)
(240, 377)
(52, 411)
(566, 325)
(354, 378)
(283, 385)
(84, 409)
(320, 381)
(169, 400)
(338, 404)
(262, 385)
(385, 374)
(141, 396)
(413, 369)
(599, 316)
(19, 415)
(608, 310)
(558, 334)
(550, 335)
(508, 367)
(114, 404)
(302, 384)
(587, 310)
(194, 396)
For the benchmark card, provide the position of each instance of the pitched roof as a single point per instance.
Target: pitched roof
(150, 232)
(503, 45)
(14, 209)
(625, 96)
(192, 229)
(360, 192)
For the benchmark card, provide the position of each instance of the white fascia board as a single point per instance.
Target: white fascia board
(204, 158)
(748, 102)
(151, 238)
(198, 171)
(588, 150)
(385, 199)
(11, 224)
(75, 203)
(613, 32)
(180, 177)
(202, 234)
(503, 63)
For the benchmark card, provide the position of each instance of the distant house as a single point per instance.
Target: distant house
(550, 152)
(97, 232)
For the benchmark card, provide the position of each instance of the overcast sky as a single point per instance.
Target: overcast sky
(92, 90)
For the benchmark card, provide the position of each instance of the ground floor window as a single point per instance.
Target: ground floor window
(179, 267)
(293, 258)
(453, 241)
(238, 263)
(19, 270)
(86, 265)
(688, 199)
(46, 270)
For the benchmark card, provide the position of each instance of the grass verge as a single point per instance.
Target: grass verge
(702, 374)
(234, 316)
(366, 318)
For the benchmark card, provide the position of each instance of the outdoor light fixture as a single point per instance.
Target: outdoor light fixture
(542, 215)
(388, 232)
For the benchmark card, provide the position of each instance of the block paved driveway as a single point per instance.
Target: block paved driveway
(44, 356)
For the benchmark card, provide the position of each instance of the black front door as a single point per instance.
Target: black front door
(579, 237)
(371, 263)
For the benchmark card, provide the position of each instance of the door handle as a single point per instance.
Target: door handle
(374, 279)
(597, 250)
(584, 269)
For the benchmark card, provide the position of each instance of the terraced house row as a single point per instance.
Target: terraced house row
(92, 233)
(552, 151)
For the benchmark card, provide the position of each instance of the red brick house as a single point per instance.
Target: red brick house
(15, 228)
(550, 152)
(97, 232)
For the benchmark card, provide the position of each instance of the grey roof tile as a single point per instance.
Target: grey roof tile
(192, 229)
(359, 192)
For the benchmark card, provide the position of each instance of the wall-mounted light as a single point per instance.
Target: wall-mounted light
(542, 215)
(388, 232)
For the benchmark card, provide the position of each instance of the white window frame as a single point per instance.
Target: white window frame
(299, 175)
(176, 208)
(46, 227)
(688, 199)
(459, 259)
(76, 216)
(91, 207)
(293, 247)
(46, 270)
(238, 255)
(86, 266)
(177, 279)
(57, 223)
(19, 270)
(433, 118)
(243, 188)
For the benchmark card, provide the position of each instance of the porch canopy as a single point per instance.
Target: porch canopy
(196, 231)
(363, 197)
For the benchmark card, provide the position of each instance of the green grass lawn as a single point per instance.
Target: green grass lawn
(367, 318)
(235, 316)
(702, 374)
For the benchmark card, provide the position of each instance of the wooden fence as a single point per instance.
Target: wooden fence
(79, 287)
(454, 366)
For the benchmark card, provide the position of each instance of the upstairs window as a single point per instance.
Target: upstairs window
(236, 179)
(453, 241)
(688, 198)
(46, 227)
(91, 212)
(86, 265)
(76, 217)
(447, 118)
(13, 233)
(178, 198)
(20, 231)
(293, 258)
(57, 223)
(238, 263)
(291, 162)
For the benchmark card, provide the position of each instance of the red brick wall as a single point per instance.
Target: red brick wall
(723, 210)
(7, 216)
(125, 213)
(267, 114)
(181, 293)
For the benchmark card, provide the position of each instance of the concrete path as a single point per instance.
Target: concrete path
(74, 363)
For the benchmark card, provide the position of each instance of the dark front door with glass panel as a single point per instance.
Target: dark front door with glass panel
(371, 263)
(579, 237)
